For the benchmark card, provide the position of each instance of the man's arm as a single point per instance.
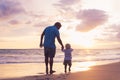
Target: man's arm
(60, 42)
(41, 39)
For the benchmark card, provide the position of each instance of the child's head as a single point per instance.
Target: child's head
(67, 46)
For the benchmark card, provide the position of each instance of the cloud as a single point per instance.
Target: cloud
(67, 6)
(41, 24)
(10, 8)
(28, 22)
(13, 22)
(118, 35)
(90, 19)
(68, 2)
(116, 30)
(110, 33)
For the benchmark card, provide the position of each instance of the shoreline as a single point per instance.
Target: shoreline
(36, 71)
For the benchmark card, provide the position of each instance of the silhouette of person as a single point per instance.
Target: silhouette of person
(67, 57)
(49, 34)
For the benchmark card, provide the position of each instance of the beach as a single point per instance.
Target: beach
(36, 71)
(101, 72)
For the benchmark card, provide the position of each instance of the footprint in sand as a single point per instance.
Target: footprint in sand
(62, 77)
(52, 77)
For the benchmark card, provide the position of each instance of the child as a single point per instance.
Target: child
(68, 57)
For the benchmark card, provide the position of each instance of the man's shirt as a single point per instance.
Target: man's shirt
(51, 33)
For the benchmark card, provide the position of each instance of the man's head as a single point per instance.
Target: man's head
(58, 25)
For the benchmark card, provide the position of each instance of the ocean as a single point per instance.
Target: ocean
(101, 56)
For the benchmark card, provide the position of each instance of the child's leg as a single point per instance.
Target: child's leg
(69, 68)
(65, 68)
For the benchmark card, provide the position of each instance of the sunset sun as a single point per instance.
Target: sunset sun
(87, 43)
(82, 39)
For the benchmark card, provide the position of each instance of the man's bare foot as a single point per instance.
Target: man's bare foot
(51, 72)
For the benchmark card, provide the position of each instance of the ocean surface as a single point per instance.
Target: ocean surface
(10, 56)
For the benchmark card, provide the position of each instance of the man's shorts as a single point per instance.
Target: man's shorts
(67, 62)
(49, 52)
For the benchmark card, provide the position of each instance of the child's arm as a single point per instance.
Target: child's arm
(71, 49)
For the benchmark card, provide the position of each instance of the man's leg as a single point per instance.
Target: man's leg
(52, 54)
(51, 63)
(51, 66)
(46, 64)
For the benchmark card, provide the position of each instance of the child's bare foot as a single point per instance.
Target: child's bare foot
(69, 69)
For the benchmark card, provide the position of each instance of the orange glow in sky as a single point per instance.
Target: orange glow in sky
(85, 23)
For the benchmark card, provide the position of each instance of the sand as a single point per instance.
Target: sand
(35, 71)
(103, 72)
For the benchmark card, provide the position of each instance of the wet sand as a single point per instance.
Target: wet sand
(36, 71)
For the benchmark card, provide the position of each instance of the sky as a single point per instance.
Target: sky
(85, 23)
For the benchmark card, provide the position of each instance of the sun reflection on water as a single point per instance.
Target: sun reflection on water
(82, 66)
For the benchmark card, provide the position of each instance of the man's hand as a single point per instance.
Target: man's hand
(41, 45)
(41, 40)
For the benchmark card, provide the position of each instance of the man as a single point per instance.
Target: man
(49, 34)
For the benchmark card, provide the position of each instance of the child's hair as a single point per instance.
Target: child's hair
(67, 46)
